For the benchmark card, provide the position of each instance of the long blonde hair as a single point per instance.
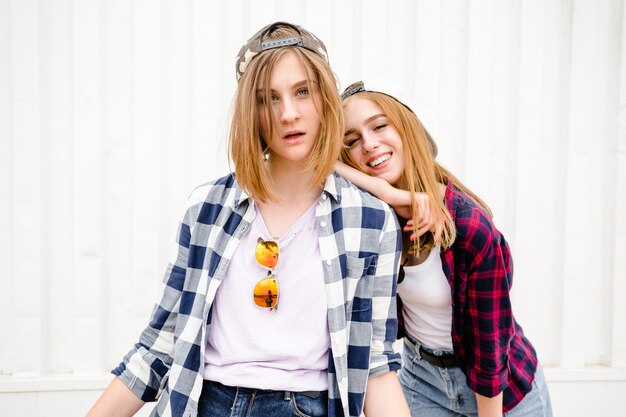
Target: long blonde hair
(247, 146)
(421, 171)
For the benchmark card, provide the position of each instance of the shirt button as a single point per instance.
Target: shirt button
(328, 262)
(323, 223)
(323, 196)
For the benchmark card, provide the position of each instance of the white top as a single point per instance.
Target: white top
(427, 302)
(254, 347)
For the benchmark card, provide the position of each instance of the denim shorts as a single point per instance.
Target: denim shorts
(443, 392)
(219, 400)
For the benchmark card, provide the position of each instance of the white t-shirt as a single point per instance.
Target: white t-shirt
(427, 302)
(254, 347)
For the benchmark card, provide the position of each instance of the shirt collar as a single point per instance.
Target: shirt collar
(332, 187)
(241, 196)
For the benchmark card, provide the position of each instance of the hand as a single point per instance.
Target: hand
(384, 397)
(489, 407)
(426, 220)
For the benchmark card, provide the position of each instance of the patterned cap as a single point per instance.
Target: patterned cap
(256, 44)
(388, 89)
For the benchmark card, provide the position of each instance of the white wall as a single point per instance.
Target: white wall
(112, 110)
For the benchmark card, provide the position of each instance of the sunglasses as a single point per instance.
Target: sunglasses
(266, 290)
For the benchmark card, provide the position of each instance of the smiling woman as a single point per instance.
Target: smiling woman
(368, 128)
(262, 257)
(459, 329)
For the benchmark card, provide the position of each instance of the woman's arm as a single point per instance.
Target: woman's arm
(489, 407)
(384, 397)
(489, 324)
(376, 186)
(117, 400)
(399, 199)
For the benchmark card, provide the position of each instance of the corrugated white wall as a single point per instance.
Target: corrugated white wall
(111, 111)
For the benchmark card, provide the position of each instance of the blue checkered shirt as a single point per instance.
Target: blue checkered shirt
(360, 243)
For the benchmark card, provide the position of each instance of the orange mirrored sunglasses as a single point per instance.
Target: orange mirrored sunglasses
(266, 290)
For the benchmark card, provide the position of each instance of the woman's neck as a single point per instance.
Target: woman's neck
(295, 189)
(292, 181)
(294, 195)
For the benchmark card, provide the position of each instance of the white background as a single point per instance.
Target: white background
(111, 111)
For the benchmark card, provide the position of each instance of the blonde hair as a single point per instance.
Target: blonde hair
(247, 147)
(421, 171)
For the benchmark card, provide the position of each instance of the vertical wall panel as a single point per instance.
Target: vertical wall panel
(586, 138)
(373, 43)
(505, 92)
(289, 11)
(112, 111)
(316, 15)
(147, 132)
(205, 139)
(235, 19)
(402, 25)
(577, 158)
(534, 153)
(56, 104)
(175, 118)
(450, 132)
(6, 187)
(480, 112)
(618, 326)
(547, 236)
(423, 73)
(609, 120)
(87, 210)
(117, 143)
(603, 119)
(261, 13)
(27, 274)
(345, 50)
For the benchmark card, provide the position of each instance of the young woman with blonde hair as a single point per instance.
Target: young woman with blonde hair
(281, 300)
(464, 353)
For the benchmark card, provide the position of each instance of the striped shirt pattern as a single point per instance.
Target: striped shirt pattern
(359, 240)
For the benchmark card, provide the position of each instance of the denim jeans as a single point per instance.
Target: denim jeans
(442, 392)
(219, 400)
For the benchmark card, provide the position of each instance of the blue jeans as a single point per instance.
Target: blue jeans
(219, 400)
(443, 392)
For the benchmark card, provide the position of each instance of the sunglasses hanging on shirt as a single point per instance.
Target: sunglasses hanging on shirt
(266, 290)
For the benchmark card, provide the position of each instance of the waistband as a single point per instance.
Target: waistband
(445, 360)
(257, 391)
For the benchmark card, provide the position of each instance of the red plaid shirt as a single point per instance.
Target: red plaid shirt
(489, 344)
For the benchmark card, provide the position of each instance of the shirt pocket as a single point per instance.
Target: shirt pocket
(359, 284)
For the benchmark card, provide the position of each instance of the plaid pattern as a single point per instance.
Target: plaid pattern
(359, 241)
(491, 347)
